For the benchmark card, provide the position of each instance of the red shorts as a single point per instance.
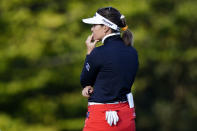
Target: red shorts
(95, 120)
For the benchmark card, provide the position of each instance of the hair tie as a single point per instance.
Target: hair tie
(124, 28)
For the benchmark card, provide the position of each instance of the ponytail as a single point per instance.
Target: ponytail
(127, 35)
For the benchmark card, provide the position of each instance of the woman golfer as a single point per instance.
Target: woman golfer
(108, 73)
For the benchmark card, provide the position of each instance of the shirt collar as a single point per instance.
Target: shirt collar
(112, 34)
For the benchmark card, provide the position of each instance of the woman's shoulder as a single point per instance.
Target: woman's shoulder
(133, 51)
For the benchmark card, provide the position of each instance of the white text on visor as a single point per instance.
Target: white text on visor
(98, 19)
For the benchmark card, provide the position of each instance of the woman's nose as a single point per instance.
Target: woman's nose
(92, 28)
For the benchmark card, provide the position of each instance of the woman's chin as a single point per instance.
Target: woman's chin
(96, 39)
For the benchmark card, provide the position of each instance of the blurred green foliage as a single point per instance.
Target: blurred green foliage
(42, 52)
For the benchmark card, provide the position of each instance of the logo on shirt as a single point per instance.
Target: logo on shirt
(87, 67)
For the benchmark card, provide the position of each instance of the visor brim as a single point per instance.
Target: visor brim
(92, 21)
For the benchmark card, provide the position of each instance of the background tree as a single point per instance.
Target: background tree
(42, 52)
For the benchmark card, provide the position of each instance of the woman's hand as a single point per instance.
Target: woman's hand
(87, 91)
(90, 43)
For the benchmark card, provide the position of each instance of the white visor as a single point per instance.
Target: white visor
(98, 19)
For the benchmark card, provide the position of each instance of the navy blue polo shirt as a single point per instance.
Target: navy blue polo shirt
(111, 70)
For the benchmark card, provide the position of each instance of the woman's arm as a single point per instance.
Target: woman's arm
(91, 64)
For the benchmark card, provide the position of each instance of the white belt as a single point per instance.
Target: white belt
(96, 103)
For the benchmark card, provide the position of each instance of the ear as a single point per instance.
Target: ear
(106, 29)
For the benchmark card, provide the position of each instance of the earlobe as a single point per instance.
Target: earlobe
(106, 28)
